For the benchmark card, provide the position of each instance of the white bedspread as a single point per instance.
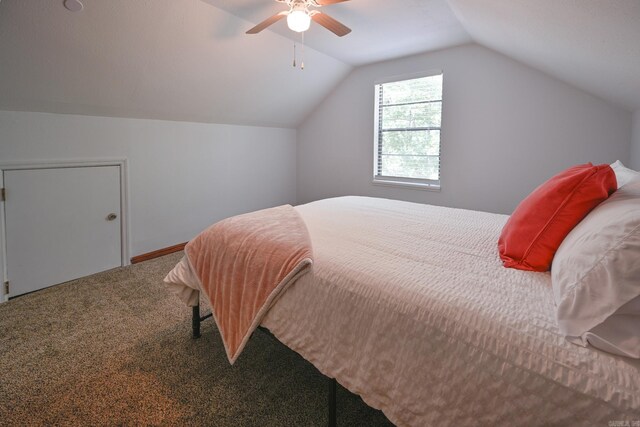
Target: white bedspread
(409, 306)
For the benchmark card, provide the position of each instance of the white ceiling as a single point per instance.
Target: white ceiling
(592, 44)
(190, 59)
(160, 59)
(382, 29)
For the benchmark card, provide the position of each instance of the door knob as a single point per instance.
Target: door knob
(111, 217)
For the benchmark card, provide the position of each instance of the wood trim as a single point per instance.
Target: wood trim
(160, 252)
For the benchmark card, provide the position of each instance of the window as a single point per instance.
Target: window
(407, 143)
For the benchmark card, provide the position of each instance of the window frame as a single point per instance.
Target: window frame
(415, 183)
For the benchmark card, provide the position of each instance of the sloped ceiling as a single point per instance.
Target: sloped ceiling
(593, 44)
(160, 59)
(190, 59)
(382, 29)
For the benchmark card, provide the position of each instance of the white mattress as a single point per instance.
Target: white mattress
(409, 306)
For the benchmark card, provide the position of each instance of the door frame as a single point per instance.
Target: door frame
(61, 164)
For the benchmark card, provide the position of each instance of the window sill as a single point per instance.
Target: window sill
(411, 185)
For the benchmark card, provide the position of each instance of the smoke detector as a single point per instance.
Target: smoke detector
(73, 5)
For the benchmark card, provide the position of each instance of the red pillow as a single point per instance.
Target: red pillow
(537, 227)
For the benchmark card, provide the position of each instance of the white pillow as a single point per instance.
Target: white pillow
(596, 270)
(619, 334)
(624, 175)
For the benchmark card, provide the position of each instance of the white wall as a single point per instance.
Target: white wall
(635, 142)
(182, 176)
(506, 128)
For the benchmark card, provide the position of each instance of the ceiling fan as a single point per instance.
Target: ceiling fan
(299, 17)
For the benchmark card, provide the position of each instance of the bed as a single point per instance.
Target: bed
(409, 306)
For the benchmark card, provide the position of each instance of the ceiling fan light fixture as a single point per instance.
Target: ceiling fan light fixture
(298, 20)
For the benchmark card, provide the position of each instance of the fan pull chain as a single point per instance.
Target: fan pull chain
(294, 54)
(302, 63)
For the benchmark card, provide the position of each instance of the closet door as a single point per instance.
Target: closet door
(61, 224)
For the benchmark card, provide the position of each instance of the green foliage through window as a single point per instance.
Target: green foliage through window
(408, 134)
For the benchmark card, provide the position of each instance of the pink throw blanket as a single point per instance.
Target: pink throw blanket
(244, 263)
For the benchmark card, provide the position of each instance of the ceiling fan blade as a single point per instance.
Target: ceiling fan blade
(269, 21)
(326, 2)
(330, 24)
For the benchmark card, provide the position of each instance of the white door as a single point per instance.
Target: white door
(61, 224)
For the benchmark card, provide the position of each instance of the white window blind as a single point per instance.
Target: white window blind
(407, 143)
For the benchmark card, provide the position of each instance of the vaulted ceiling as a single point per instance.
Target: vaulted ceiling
(190, 59)
(382, 29)
(592, 44)
(160, 59)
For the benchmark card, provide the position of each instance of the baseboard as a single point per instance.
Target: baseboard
(160, 252)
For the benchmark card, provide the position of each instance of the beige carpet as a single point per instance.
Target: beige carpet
(115, 349)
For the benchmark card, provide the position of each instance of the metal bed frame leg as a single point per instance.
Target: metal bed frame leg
(196, 319)
(332, 402)
(195, 322)
(195, 326)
